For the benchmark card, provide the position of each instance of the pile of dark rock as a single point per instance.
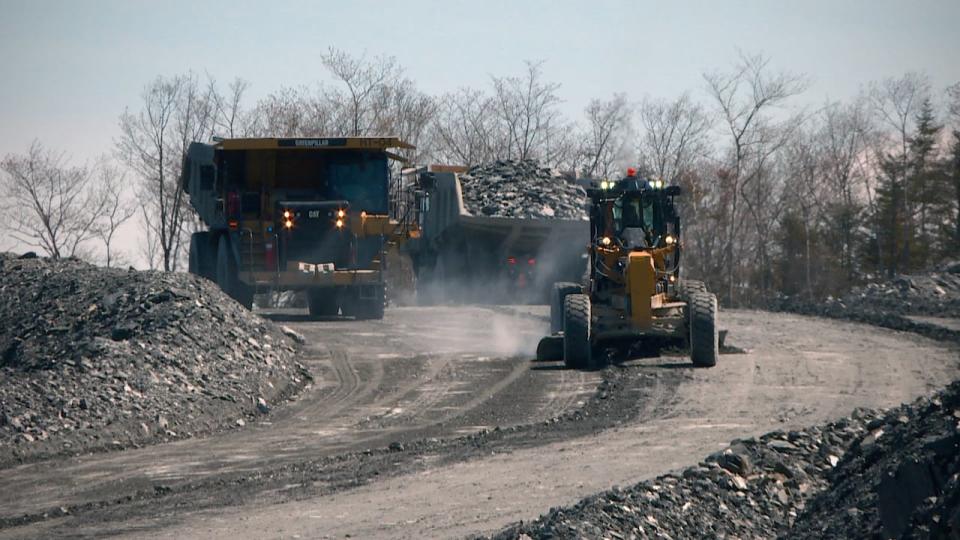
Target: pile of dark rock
(96, 359)
(936, 293)
(900, 480)
(874, 474)
(524, 189)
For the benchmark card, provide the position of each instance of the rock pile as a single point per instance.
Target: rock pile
(900, 480)
(936, 293)
(755, 488)
(509, 188)
(94, 359)
(875, 474)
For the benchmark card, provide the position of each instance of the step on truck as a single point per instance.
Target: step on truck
(464, 257)
(301, 214)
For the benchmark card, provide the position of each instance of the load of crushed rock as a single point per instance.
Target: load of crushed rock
(95, 359)
(875, 474)
(524, 189)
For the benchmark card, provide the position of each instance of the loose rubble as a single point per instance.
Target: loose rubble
(875, 474)
(510, 188)
(97, 359)
(936, 293)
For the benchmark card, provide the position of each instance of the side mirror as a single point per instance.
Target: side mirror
(673, 191)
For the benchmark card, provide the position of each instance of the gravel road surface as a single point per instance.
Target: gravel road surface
(436, 423)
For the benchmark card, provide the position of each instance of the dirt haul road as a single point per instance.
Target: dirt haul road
(435, 423)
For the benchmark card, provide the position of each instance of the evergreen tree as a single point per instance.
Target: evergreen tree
(924, 190)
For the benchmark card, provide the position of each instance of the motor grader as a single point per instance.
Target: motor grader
(632, 293)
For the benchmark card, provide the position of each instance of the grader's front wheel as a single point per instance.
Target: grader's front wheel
(576, 332)
(704, 335)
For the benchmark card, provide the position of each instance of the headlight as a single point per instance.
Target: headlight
(606, 240)
(669, 239)
(339, 223)
(288, 223)
(286, 214)
(604, 185)
(341, 214)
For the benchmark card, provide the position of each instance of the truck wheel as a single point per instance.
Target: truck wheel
(704, 338)
(323, 302)
(365, 308)
(202, 262)
(689, 286)
(226, 275)
(557, 294)
(576, 332)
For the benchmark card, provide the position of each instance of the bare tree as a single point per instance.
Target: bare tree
(607, 135)
(362, 80)
(149, 247)
(229, 115)
(675, 135)
(291, 112)
(743, 98)
(49, 203)
(117, 208)
(527, 108)
(463, 128)
(176, 111)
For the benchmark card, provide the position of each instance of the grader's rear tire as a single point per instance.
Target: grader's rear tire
(576, 332)
(704, 335)
(557, 294)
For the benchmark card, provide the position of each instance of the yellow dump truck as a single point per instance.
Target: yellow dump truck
(306, 214)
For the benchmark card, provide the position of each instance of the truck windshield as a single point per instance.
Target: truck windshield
(360, 179)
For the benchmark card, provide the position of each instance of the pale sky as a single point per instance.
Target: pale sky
(68, 69)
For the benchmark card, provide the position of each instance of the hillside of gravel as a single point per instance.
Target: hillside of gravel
(94, 359)
(874, 474)
(511, 188)
(935, 293)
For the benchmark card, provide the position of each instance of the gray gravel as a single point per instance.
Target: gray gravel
(510, 188)
(96, 359)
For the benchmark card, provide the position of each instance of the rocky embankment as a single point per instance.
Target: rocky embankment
(874, 474)
(936, 294)
(95, 359)
(510, 188)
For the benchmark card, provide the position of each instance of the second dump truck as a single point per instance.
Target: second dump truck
(303, 214)
(462, 256)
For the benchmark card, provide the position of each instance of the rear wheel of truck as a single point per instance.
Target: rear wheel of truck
(576, 332)
(202, 256)
(226, 275)
(323, 302)
(557, 295)
(704, 337)
(364, 307)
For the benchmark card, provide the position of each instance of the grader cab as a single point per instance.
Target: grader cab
(632, 292)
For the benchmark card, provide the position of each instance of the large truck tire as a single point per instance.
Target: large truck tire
(226, 275)
(688, 287)
(576, 332)
(704, 335)
(558, 293)
(203, 260)
(361, 308)
(323, 302)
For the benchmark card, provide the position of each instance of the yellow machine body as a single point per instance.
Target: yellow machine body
(641, 286)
